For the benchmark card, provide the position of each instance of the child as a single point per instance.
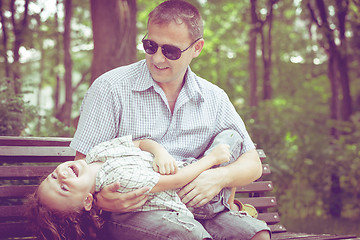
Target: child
(64, 200)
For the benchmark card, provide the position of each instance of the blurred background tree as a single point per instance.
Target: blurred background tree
(289, 67)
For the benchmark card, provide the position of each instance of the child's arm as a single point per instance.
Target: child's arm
(163, 163)
(220, 154)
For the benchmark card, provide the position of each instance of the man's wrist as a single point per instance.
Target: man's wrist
(222, 174)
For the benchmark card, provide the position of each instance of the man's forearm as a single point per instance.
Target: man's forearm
(246, 169)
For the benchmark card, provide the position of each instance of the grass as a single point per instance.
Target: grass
(319, 225)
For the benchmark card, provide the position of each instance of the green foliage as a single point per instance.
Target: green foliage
(15, 113)
(296, 138)
(49, 126)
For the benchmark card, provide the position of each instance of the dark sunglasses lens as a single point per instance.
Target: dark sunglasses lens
(171, 52)
(150, 47)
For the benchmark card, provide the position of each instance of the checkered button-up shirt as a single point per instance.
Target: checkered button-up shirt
(127, 101)
(132, 168)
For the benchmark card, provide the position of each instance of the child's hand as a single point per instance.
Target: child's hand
(221, 154)
(165, 164)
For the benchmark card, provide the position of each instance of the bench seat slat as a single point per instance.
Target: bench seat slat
(294, 236)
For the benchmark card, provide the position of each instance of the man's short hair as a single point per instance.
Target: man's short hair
(178, 11)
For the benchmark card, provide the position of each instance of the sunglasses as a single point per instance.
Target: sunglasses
(169, 51)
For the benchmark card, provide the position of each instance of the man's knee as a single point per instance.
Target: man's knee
(262, 235)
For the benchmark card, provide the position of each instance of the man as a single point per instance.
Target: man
(162, 99)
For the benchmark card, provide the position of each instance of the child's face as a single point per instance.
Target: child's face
(68, 186)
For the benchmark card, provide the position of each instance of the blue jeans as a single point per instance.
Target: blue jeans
(166, 225)
(155, 225)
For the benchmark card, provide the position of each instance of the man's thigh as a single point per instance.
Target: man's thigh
(233, 225)
(155, 225)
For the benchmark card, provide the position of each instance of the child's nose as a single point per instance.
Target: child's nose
(62, 173)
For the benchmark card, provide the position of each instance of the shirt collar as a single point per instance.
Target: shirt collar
(145, 81)
(192, 87)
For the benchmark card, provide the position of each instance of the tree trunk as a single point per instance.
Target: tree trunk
(19, 30)
(5, 41)
(267, 52)
(340, 105)
(65, 114)
(114, 34)
(252, 55)
(56, 94)
(342, 10)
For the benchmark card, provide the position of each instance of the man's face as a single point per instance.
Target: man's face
(163, 70)
(67, 186)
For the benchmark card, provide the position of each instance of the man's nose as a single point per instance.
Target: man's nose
(159, 57)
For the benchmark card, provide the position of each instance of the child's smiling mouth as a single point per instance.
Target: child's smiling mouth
(74, 170)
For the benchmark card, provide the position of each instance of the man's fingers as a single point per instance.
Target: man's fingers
(137, 205)
(199, 204)
(186, 189)
(197, 201)
(138, 192)
(187, 193)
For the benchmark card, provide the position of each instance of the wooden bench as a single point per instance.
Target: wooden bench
(24, 160)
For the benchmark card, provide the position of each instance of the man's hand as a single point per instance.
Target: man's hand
(201, 190)
(110, 200)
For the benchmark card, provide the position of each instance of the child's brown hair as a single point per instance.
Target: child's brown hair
(56, 225)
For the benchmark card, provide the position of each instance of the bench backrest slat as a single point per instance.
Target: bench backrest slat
(34, 141)
(262, 186)
(16, 191)
(260, 202)
(12, 212)
(18, 230)
(25, 171)
(36, 151)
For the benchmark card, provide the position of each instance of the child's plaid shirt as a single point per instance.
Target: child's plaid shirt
(132, 168)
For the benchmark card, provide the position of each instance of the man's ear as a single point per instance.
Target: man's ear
(88, 202)
(198, 47)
